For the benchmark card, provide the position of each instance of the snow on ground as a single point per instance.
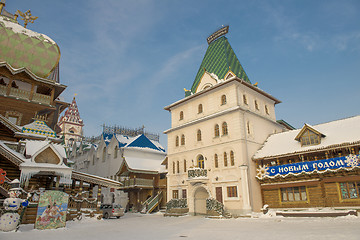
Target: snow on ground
(140, 226)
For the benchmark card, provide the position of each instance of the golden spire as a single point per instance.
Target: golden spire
(26, 17)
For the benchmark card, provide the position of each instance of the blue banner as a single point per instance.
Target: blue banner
(319, 165)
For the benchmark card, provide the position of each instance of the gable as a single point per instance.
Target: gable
(47, 156)
(206, 81)
(142, 142)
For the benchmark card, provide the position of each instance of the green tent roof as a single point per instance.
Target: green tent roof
(219, 59)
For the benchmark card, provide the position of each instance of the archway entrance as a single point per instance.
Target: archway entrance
(200, 201)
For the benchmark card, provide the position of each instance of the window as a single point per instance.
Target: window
(200, 161)
(173, 167)
(181, 115)
(178, 167)
(223, 99)
(292, 194)
(104, 154)
(199, 135)
(232, 191)
(225, 160)
(266, 110)
(232, 159)
(183, 139)
(93, 160)
(350, 190)
(217, 130)
(245, 99)
(224, 128)
(177, 141)
(184, 165)
(184, 195)
(256, 105)
(116, 152)
(309, 138)
(216, 160)
(248, 127)
(175, 194)
(200, 108)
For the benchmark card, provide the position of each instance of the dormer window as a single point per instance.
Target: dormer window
(308, 136)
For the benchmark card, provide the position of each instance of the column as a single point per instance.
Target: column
(245, 187)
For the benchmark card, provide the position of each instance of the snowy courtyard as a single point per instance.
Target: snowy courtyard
(140, 226)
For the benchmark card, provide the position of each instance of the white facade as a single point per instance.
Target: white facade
(248, 116)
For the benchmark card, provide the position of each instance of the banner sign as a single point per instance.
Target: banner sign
(319, 165)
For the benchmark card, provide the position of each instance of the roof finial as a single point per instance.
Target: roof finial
(221, 32)
(26, 17)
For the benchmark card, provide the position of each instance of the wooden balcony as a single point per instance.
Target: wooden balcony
(138, 183)
(26, 95)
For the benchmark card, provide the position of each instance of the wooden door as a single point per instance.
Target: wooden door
(219, 194)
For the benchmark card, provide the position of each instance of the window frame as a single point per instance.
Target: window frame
(198, 135)
(291, 194)
(217, 130)
(224, 128)
(223, 99)
(231, 191)
(200, 108)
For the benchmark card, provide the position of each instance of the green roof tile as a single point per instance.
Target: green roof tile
(219, 59)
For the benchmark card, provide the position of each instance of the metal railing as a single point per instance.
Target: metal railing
(197, 173)
(154, 202)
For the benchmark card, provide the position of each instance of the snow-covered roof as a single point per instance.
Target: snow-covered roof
(339, 132)
(140, 142)
(136, 163)
(32, 147)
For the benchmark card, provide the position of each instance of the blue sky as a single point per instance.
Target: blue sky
(127, 60)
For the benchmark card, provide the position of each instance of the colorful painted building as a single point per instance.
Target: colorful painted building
(315, 166)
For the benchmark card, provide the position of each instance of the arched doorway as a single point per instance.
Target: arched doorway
(200, 197)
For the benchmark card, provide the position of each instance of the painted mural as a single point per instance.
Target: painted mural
(52, 209)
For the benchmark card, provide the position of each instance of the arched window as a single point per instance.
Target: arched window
(217, 130)
(173, 167)
(183, 139)
(181, 115)
(245, 99)
(224, 128)
(266, 110)
(256, 105)
(178, 167)
(116, 152)
(216, 160)
(200, 161)
(200, 108)
(223, 99)
(232, 158)
(199, 135)
(184, 165)
(225, 160)
(177, 141)
(248, 127)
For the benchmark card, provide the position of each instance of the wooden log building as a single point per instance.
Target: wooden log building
(315, 166)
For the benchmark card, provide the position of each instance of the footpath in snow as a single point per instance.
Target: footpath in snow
(141, 226)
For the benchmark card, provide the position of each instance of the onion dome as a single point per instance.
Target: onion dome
(24, 48)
